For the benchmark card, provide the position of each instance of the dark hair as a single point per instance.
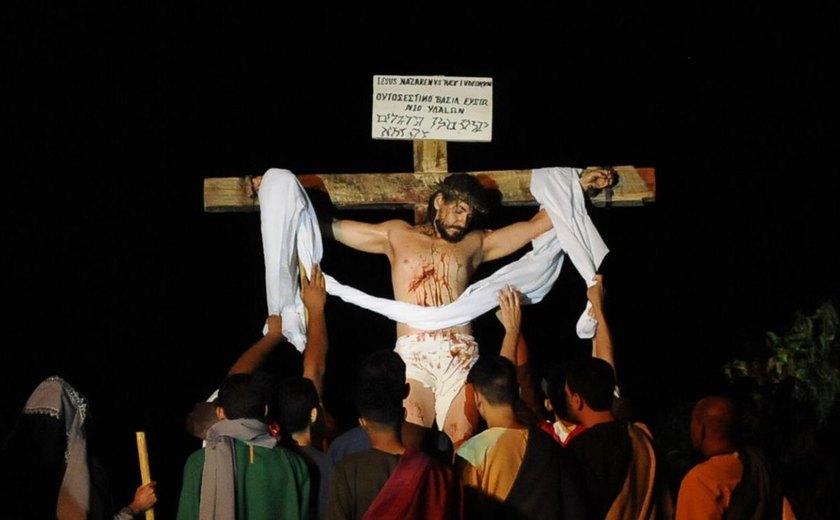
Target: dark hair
(553, 386)
(385, 366)
(242, 396)
(296, 397)
(460, 186)
(594, 380)
(495, 377)
(381, 388)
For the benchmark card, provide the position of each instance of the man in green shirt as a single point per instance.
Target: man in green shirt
(242, 473)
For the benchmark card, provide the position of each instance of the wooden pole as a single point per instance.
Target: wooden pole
(145, 474)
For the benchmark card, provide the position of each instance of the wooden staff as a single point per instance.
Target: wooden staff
(145, 474)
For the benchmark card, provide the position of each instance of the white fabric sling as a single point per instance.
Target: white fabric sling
(290, 232)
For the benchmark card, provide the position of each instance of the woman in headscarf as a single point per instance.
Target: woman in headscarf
(46, 470)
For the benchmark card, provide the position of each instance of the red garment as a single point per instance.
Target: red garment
(548, 427)
(574, 433)
(420, 487)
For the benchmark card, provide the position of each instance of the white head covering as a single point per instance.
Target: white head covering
(56, 398)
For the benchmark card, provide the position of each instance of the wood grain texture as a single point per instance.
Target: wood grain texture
(407, 190)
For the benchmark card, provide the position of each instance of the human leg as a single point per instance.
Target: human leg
(462, 417)
(437, 364)
(420, 404)
(455, 409)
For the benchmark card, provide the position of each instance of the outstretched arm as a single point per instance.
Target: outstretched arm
(504, 241)
(514, 346)
(510, 314)
(370, 238)
(602, 343)
(314, 296)
(254, 357)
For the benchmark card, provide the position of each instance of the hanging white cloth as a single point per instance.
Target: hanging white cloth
(290, 236)
(290, 231)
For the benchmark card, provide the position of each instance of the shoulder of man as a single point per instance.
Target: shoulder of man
(353, 440)
(398, 223)
(474, 449)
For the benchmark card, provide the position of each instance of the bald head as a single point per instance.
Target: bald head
(713, 424)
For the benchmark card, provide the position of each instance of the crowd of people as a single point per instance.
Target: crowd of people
(443, 432)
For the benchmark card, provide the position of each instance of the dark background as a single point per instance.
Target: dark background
(115, 277)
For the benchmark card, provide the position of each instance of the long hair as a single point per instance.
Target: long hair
(460, 187)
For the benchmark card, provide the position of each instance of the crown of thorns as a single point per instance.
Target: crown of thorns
(466, 188)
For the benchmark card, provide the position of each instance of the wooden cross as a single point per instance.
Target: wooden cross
(412, 190)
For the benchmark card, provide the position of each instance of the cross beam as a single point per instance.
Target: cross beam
(412, 190)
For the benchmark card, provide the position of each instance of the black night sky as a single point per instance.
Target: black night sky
(113, 115)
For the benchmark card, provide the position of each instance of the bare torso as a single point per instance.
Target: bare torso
(429, 271)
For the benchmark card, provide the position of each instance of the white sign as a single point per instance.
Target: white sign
(432, 107)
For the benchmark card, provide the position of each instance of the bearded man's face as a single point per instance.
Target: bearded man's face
(452, 221)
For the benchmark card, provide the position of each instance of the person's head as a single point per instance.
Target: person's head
(380, 390)
(454, 206)
(298, 404)
(713, 423)
(494, 380)
(47, 441)
(387, 368)
(555, 396)
(242, 396)
(590, 382)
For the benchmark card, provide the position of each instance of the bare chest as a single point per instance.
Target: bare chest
(432, 272)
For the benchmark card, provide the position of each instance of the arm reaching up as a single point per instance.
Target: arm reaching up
(514, 346)
(253, 358)
(602, 343)
(510, 315)
(314, 296)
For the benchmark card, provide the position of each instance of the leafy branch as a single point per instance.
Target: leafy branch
(806, 359)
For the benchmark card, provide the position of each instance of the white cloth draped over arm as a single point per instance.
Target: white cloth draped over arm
(534, 274)
(558, 190)
(290, 232)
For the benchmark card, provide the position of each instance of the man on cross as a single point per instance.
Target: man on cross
(431, 265)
